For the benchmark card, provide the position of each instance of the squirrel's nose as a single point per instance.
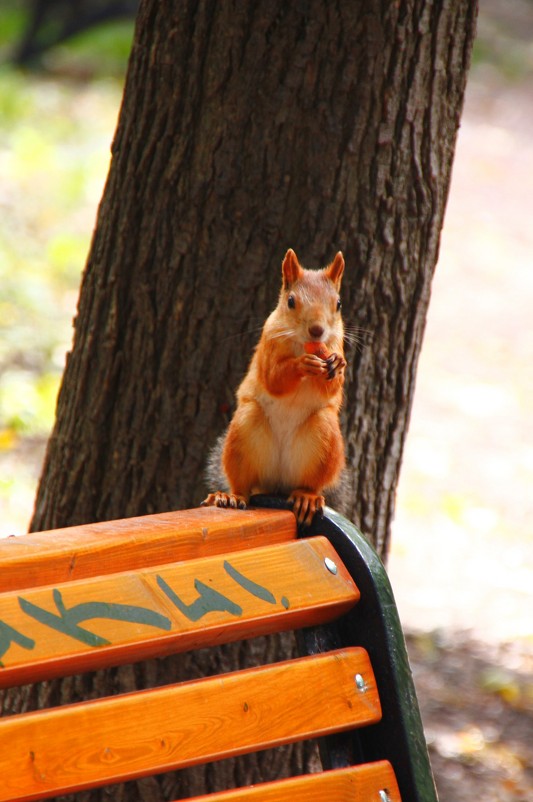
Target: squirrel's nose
(316, 331)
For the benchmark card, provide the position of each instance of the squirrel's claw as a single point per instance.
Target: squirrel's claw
(311, 365)
(305, 505)
(225, 500)
(335, 363)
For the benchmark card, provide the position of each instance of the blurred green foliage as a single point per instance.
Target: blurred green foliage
(503, 41)
(111, 42)
(56, 127)
(12, 20)
(100, 51)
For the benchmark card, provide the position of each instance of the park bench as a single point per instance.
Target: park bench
(87, 597)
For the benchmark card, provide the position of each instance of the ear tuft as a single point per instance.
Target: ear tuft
(290, 269)
(336, 269)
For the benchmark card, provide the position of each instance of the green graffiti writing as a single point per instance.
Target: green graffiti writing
(68, 620)
(8, 635)
(209, 601)
(249, 585)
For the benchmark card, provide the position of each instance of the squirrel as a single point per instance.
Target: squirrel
(284, 437)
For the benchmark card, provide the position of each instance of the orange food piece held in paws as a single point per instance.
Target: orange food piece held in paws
(318, 349)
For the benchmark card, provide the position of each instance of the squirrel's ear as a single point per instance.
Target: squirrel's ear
(336, 269)
(290, 269)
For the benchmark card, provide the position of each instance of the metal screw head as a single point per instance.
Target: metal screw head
(360, 682)
(330, 565)
(384, 797)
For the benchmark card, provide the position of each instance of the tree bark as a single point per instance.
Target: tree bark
(247, 128)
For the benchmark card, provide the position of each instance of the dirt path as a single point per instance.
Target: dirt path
(462, 549)
(462, 546)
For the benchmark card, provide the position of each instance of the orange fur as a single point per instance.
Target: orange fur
(285, 436)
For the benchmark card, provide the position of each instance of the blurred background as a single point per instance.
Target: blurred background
(462, 548)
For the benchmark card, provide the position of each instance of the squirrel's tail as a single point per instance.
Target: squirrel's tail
(338, 496)
(215, 477)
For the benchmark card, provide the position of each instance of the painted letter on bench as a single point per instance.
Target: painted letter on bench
(135, 615)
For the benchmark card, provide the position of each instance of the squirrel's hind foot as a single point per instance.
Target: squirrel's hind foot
(305, 505)
(225, 500)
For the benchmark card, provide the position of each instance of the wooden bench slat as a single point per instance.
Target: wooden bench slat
(61, 555)
(353, 784)
(84, 745)
(92, 623)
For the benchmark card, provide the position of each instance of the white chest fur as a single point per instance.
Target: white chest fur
(290, 445)
(288, 413)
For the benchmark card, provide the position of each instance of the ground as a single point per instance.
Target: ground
(461, 563)
(462, 548)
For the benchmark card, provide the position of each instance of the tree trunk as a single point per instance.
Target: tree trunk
(247, 128)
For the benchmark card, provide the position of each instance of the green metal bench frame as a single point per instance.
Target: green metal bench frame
(374, 624)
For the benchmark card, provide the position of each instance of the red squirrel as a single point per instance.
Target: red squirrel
(284, 437)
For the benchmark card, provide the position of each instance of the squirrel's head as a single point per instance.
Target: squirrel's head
(311, 300)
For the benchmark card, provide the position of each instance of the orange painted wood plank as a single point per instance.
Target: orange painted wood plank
(60, 555)
(93, 743)
(354, 784)
(121, 618)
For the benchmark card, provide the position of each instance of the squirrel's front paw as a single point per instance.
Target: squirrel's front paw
(305, 505)
(311, 365)
(336, 365)
(221, 499)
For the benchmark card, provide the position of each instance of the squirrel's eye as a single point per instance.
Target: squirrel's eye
(291, 302)
(339, 305)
